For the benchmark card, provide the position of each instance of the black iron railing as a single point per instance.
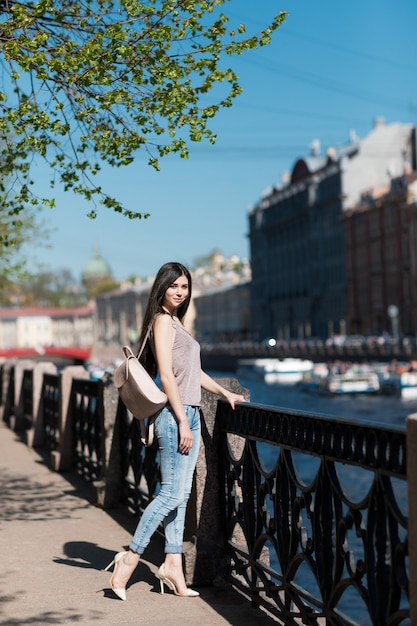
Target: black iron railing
(139, 464)
(50, 411)
(27, 397)
(315, 515)
(87, 412)
(315, 510)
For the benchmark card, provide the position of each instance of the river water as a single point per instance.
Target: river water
(373, 409)
(365, 408)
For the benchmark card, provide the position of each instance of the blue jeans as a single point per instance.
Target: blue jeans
(177, 472)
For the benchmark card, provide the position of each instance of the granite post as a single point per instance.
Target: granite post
(107, 491)
(62, 459)
(412, 513)
(17, 421)
(203, 537)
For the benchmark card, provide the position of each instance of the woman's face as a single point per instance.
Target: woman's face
(176, 293)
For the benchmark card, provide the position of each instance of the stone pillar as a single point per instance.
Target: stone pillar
(412, 513)
(35, 434)
(17, 422)
(203, 537)
(8, 395)
(62, 459)
(107, 492)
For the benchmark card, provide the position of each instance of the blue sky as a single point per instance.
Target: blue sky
(332, 68)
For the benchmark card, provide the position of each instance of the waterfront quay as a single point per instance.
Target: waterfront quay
(264, 543)
(55, 544)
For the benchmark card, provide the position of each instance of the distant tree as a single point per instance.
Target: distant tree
(103, 286)
(12, 233)
(50, 289)
(15, 232)
(87, 82)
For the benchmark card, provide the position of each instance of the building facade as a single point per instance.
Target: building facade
(297, 234)
(381, 260)
(219, 306)
(36, 327)
(119, 315)
(222, 314)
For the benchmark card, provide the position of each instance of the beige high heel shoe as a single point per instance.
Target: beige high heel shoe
(188, 593)
(121, 592)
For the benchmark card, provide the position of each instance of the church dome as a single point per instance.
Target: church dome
(96, 269)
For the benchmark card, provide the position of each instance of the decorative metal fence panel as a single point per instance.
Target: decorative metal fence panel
(315, 515)
(140, 464)
(87, 412)
(50, 400)
(27, 397)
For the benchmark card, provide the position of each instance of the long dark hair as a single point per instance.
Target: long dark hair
(166, 276)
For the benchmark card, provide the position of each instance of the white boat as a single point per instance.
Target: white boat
(286, 371)
(407, 384)
(251, 368)
(353, 382)
(315, 380)
(402, 381)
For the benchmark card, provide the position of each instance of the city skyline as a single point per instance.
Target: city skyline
(330, 71)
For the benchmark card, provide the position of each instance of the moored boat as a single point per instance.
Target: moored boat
(407, 385)
(341, 380)
(353, 382)
(287, 371)
(400, 379)
(282, 371)
(315, 380)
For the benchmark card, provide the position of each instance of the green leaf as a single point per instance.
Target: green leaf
(94, 82)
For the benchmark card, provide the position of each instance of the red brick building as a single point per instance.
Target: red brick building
(381, 259)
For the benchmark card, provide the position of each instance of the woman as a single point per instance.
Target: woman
(176, 354)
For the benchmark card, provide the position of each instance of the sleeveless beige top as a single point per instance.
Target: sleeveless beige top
(186, 365)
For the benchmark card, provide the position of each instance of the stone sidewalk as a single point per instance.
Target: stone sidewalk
(54, 545)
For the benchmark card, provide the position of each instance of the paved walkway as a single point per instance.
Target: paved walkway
(54, 546)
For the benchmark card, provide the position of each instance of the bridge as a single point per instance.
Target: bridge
(69, 355)
(224, 357)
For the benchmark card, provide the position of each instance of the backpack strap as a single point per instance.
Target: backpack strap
(145, 339)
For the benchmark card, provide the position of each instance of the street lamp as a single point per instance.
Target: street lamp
(393, 313)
